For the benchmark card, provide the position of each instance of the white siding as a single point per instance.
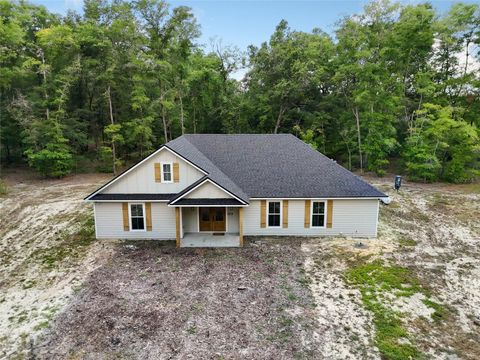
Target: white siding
(207, 191)
(142, 179)
(190, 219)
(350, 217)
(109, 222)
(232, 220)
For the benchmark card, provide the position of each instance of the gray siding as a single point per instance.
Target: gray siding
(109, 222)
(350, 217)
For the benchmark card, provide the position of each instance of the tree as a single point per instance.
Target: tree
(442, 147)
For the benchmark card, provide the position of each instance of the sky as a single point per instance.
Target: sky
(242, 23)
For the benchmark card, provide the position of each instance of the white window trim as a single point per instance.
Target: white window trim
(170, 163)
(144, 217)
(324, 214)
(281, 213)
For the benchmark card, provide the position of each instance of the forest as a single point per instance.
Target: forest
(393, 88)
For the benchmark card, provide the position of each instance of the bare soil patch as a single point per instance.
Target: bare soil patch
(154, 301)
(46, 252)
(432, 231)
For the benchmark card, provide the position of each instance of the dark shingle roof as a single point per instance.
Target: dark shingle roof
(132, 197)
(209, 202)
(185, 148)
(278, 166)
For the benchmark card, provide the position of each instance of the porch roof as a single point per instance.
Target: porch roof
(208, 202)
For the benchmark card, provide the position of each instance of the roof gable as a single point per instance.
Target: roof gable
(202, 189)
(114, 185)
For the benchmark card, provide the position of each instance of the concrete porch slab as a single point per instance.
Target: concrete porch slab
(203, 240)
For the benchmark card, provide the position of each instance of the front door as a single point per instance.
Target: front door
(212, 219)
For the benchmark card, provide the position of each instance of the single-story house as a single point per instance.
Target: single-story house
(212, 190)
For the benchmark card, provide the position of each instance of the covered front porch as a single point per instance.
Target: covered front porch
(201, 223)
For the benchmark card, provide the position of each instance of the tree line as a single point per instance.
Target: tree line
(394, 86)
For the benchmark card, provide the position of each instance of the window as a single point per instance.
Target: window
(318, 214)
(274, 213)
(167, 172)
(137, 219)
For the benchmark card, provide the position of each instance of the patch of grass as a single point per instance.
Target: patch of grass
(197, 308)
(407, 242)
(27, 284)
(192, 330)
(3, 188)
(285, 333)
(470, 188)
(440, 311)
(372, 279)
(70, 244)
(42, 325)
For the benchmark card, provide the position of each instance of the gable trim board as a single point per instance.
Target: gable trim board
(119, 176)
(172, 203)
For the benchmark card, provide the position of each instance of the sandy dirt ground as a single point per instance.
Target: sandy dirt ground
(63, 297)
(41, 265)
(432, 230)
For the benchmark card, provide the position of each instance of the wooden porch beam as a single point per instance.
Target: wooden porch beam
(240, 225)
(177, 226)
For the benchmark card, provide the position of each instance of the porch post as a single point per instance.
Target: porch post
(240, 225)
(177, 226)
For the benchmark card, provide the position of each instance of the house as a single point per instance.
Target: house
(212, 190)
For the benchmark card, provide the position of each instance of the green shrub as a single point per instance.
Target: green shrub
(54, 161)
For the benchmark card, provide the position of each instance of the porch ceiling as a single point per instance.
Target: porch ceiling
(208, 202)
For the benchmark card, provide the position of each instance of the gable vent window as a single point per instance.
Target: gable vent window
(274, 214)
(167, 172)
(137, 217)
(318, 214)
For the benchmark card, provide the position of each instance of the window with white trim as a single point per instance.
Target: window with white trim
(137, 217)
(274, 213)
(167, 172)
(318, 213)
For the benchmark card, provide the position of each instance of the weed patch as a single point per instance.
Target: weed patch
(440, 311)
(375, 280)
(407, 242)
(3, 188)
(71, 245)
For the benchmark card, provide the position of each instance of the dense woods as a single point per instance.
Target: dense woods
(395, 86)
